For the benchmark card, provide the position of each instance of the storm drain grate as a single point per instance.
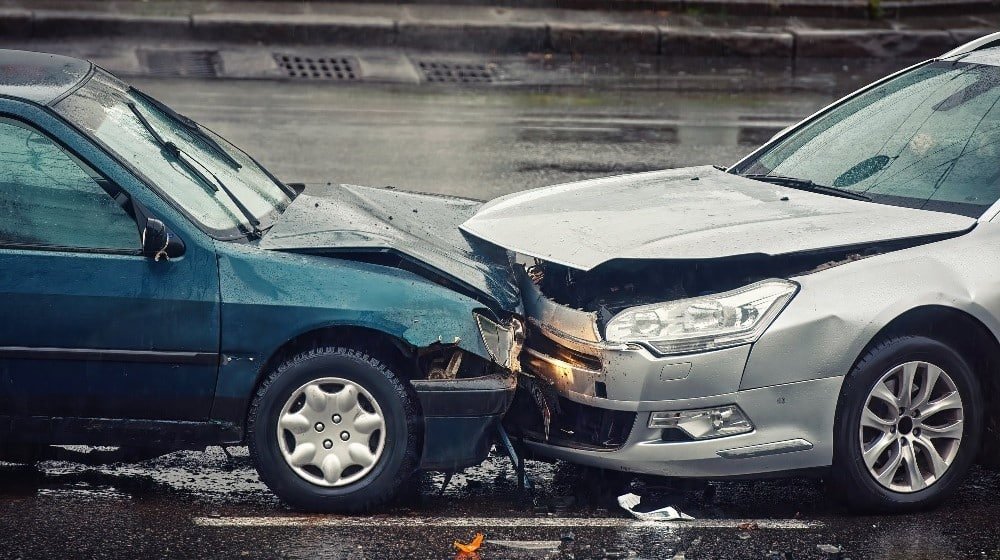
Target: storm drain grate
(317, 68)
(438, 71)
(193, 64)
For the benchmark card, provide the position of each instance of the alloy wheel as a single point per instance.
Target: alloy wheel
(331, 431)
(911, 427)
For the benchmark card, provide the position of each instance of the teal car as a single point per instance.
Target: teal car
(160, 290)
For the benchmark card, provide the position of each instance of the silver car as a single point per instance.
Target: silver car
(832, 300)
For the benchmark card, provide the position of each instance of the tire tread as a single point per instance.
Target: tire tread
(407, 397)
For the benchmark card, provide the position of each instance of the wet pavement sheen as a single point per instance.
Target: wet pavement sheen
(191, 504)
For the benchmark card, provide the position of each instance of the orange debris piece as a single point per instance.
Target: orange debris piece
(472, 546)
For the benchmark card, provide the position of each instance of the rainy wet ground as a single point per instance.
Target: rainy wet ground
(479, 142)
(205, 505)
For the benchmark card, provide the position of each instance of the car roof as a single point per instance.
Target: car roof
(39, 77)
(988, 56)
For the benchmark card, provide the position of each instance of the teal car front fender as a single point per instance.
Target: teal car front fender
(270, 298)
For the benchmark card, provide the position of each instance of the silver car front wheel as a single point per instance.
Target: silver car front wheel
(911, 426)
(331, 431)
(908, 425)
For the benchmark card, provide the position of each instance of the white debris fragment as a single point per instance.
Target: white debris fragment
(629, 501)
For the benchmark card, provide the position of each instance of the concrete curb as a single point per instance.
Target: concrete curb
(473, 36)
(855, 9)
(15, 23)
(294, 28)
(606, 38)
(491, 36)
(676, 41)
(49, 24)
(871, 43)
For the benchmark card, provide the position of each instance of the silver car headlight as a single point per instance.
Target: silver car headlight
(703, 323)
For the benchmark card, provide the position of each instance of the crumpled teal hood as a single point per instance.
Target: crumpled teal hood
(421, 228)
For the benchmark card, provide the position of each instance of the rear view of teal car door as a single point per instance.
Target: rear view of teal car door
(89, 326)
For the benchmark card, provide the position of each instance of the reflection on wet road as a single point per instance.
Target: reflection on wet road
(479, 143)
(194, 504)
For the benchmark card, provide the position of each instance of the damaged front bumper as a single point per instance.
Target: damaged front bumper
(461, 414)
(460, 418)
(623, 407)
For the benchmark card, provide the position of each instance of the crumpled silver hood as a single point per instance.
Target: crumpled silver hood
(690, 213)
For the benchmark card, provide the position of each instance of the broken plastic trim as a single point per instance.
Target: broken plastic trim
(573, 306)
(503, 343)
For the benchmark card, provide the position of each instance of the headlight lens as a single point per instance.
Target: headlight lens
(703, 323)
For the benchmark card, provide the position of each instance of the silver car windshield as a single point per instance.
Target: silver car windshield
(102, 108)
(929, 139)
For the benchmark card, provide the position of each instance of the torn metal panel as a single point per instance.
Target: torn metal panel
(560, 321)
(502, 342)
(691, 213)
(419, 228)
(589, 299)
(566, 349)
(540, 413)
(446, 367)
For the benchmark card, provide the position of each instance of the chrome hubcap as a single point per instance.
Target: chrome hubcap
(911, 427)
(331, 431)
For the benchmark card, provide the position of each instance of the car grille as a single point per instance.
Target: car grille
(571, 424)
(545, 345)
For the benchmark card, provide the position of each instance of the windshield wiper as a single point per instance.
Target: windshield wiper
(191, 125)
(186, 160)
(807, 185)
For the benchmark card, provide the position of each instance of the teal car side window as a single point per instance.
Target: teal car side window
(50, 198)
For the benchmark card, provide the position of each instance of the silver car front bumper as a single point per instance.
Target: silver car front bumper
(792, 422)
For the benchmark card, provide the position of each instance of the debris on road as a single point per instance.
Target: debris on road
(471, 546)
(832, 552)
(746, 528)
(629, 501)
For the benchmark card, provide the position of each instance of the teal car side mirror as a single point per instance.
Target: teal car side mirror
(159, 243)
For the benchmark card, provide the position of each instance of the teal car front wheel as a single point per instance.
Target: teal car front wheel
(334, 430)
(331, 431)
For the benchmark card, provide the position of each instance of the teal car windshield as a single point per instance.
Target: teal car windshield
(928, 138)
(112, 113)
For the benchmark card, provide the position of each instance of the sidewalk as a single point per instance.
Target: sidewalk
(494, 30)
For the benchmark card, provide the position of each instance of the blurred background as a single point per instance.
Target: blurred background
(484, 98)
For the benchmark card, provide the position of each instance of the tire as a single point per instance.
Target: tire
(393, 445)
(885, 366)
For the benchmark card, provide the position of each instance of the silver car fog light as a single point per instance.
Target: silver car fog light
(704, 423)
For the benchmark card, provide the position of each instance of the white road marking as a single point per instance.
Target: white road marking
(497, 522)
(527, 545)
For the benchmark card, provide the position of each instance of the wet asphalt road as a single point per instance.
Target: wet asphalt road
(204, 505)
(478, 143)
